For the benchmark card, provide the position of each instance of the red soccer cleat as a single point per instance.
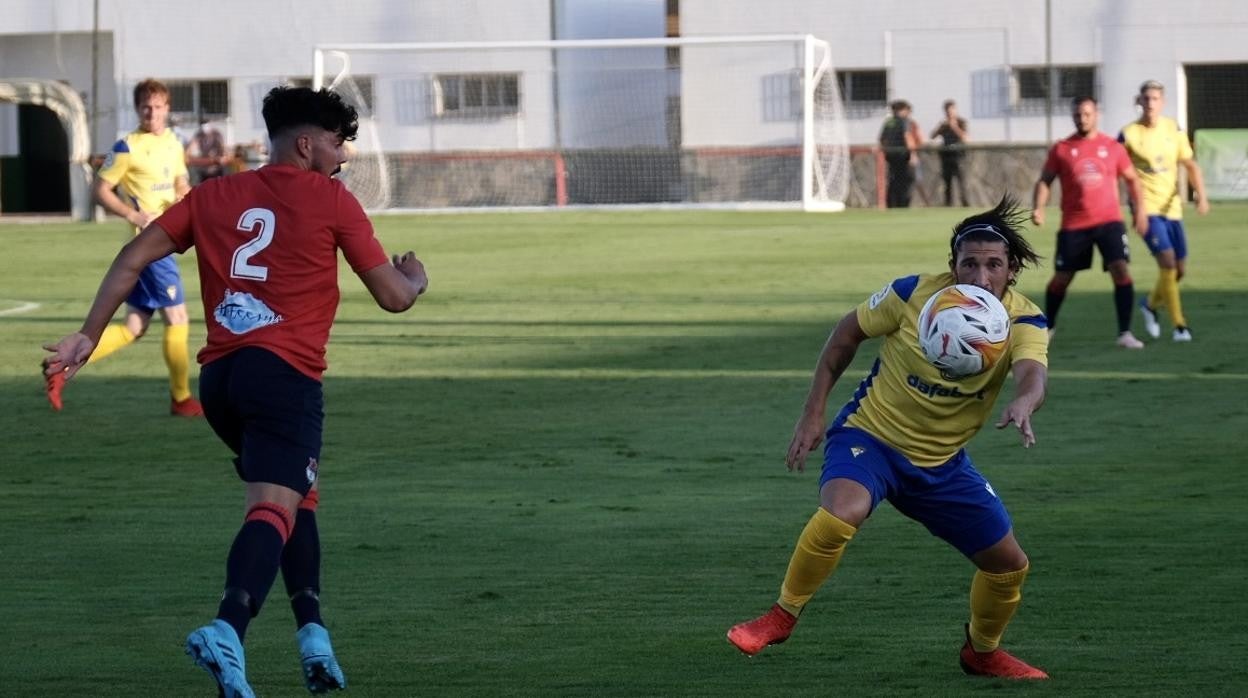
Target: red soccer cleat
(771, 628)
(189, 407)
(54, 383)
(997, 663)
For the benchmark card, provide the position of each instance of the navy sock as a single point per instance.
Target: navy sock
(1052, 304)
(249, 573)
(301, 569)
(1124, 295)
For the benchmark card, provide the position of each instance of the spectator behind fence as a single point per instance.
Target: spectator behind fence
(206, 152)
(899, 140)
(953, 132)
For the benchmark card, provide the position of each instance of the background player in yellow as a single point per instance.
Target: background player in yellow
(147, 168)
(1157, 148)
(901, 438)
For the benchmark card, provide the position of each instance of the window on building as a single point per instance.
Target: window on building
(357, 90)
(1034, 87)
(864, 92)
(462, 95)
(192, 99)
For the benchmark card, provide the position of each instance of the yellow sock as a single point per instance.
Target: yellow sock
(1167, 291)
(177, 358)
(115, 337)
(814, 559)
(994, 598)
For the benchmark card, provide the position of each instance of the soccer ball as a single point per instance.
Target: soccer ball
(963, 330)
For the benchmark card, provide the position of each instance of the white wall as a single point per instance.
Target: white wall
(249, 42)
(934, 51)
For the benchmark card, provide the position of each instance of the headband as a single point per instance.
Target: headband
(979, 228)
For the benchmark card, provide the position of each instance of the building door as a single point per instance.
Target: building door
(37, 180)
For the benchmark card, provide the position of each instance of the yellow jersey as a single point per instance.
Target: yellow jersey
(1156, 152)
(144, 167)
(904, 401)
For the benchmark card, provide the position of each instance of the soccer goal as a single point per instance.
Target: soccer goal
(747, 122)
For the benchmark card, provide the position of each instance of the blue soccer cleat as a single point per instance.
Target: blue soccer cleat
(216, 648)
(320, 669)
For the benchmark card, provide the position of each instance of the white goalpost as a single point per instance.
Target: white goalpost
(748, 122)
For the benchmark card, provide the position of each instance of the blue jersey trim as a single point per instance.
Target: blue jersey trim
(1036, 320)
(852, 406)
(121, 146)
(904, 287)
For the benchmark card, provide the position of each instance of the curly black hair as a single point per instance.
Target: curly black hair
(1004, 223)
(290, 107)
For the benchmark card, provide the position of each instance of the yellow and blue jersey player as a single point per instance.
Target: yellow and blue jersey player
(901, 438)
(143, 175)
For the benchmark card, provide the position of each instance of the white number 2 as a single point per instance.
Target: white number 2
(241, 268)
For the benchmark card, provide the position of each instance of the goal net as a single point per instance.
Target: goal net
(723, 122)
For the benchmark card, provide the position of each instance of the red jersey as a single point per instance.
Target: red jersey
(1088, 169)
(267, 242)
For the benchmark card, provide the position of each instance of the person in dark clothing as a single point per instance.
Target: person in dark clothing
(953, 132)
(899, 140)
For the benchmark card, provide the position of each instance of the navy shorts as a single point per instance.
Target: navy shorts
(952, 500)
(1166, 234)
(159, 286)
(1074, 247)
(268, 413)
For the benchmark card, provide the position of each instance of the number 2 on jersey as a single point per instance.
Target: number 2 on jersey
(251, 220)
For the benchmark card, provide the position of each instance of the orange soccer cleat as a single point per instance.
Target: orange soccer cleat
(54, 383)
(771, 628)
(189, 407)
(997, 663)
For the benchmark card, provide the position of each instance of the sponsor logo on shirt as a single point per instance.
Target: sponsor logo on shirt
(936, 390)
(242, 312)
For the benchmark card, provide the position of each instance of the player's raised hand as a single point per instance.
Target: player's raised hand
(1020, 416)
(807, 435)
(68, 355)
(413, 269)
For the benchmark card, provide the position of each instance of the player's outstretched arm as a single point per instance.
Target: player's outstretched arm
(837, 353)
(1030, 378)
(397, 285)
(71, 352)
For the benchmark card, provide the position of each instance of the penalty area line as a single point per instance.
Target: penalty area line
(21, 307)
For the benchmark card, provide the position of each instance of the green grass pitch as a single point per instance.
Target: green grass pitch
(562, 474)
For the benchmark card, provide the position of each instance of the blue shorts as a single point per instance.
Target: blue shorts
(1166, 234)
(159, 286)
(952, 500)
(268, 413)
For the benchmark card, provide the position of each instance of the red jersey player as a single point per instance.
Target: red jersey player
(267, 243)
(1089, 164)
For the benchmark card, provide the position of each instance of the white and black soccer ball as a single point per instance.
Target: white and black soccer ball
(963, 330)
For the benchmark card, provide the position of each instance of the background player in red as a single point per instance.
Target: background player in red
(267, 243)
(1089, 164)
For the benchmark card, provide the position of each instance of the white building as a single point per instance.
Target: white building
(1012, 67)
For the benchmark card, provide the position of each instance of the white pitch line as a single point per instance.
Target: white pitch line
(22, 307)
(765, 374)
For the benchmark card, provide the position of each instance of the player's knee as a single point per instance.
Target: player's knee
(137, 329)
(276, 515)
(1058, 285)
